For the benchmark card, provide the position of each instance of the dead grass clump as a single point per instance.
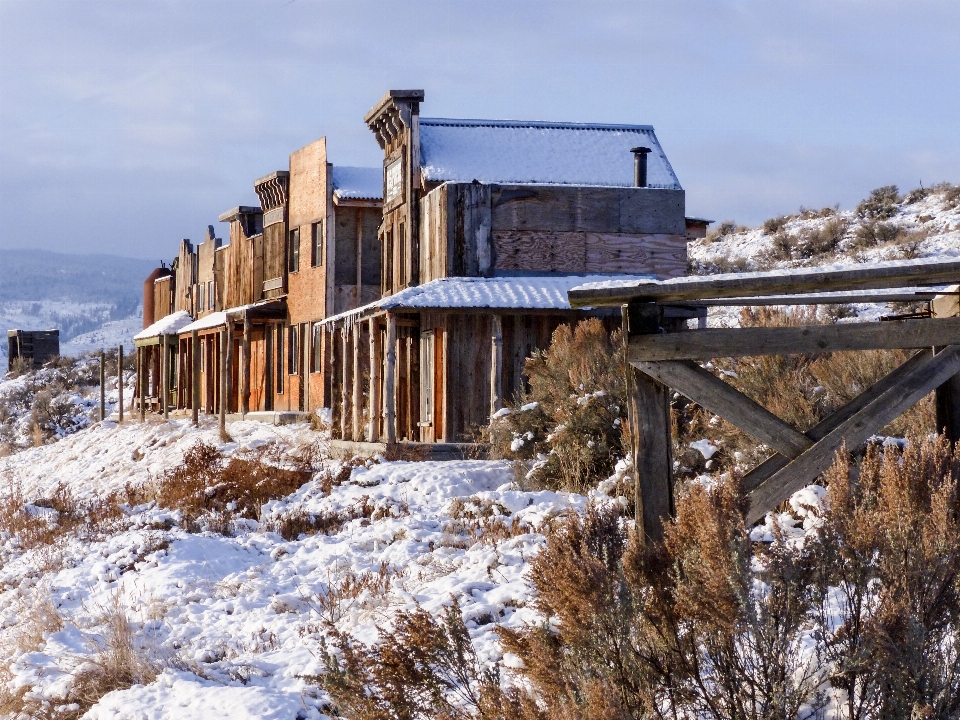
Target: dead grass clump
(423, 668)
(207, 485)
(348, 591)
(484, 521)
(297, 522)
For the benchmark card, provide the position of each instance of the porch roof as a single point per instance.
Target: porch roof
(167, 325)
(258, 310)
(537, 292)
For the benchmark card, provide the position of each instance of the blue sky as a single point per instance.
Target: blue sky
(127, 125)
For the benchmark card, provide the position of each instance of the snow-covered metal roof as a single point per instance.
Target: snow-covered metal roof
(167, 325)
(357, 183)
(514, 293)
(510, 151)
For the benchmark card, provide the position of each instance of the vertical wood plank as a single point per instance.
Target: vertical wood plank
(496, 364)
(164, 377)
(245, 367)
(195, 377)
(947, 396)
(390, 381)
(375, 363)
(142, 381)
(224, 371)
(345, 383)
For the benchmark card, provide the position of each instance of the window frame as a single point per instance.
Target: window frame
(316, 244)
(293, 250)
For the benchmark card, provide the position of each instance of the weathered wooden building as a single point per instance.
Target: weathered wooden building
(486, 224)
(34, 347)
(309, 249)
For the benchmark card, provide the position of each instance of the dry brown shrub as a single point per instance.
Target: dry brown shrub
(891, 545)
(206, 485)
(298, 521)
(474, 520)
(348, 591)
(425, 667)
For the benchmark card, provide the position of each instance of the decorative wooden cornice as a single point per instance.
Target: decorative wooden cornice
(272, 189)
(394, 112)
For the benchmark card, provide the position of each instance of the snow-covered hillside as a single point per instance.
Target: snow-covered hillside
(232, 625)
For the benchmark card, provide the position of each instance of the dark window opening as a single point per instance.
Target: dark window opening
(316, 352)
(292, 354)
(402, 241)
(316, 244)
(294, 254)
(280, 366)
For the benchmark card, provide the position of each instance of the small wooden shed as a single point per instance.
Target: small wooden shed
(35, 346)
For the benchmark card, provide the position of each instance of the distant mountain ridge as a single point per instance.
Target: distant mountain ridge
(77, 294)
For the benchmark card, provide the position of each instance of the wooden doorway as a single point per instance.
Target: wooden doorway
(431, 385)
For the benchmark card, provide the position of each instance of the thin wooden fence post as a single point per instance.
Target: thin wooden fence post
(142, 369)
(195, 376)
(103, 393)
(390, 381)
(120, 383)
(345, 383)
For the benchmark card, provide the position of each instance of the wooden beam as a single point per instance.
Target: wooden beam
(375, 362)
(720, 398)
(496, 363)
(358, 433)
(877, 276)
(142, 381)
(195, 377)
(819, 431)
(739, 342)
(224, 368)
(926, 376)
(820, 299)
(390, 380)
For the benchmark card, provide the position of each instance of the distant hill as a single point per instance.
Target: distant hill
(76, 294)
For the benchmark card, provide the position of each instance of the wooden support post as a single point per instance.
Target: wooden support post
(103, 391)
(496, 363)
(195, 377)
(120, 383)
(245, 378)
(650, 442)
(228, 399)
(357, 402)
(142, 368)
(224, 338)
(375, 361)
(164, 378)
(390, 380)
(345, 367)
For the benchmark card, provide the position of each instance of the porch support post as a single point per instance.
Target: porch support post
(375, 361)
(164, 377)
(245, 378)
(390, 381)
(496, 363)
(357, 383)
(230, 361)
(345, 366)
(142, 381)
(223, 377)
(195, 376)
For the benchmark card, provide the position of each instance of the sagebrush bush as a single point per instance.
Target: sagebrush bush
(880, 204)
(570, 422)
(208, 487)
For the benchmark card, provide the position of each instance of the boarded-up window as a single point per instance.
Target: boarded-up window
(427, 351)
(316, 350)
(402, 241)
(293, 252)
(394, 180)
(387, 283)
(316, 244)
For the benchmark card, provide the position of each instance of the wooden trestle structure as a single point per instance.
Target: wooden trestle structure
(663, 357)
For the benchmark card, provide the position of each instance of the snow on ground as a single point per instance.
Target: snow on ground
(235, 622)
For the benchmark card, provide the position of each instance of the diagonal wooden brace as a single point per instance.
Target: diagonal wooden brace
(925, 376)
(720, 398)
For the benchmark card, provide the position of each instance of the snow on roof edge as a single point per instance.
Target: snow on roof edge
(167, 325)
